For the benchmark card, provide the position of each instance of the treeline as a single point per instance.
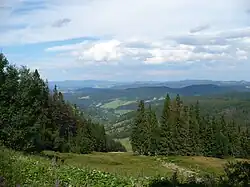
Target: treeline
(32, 118)
(182, 130)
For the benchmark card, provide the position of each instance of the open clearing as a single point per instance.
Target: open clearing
(116, 103)
(121, 112)
(127, 164)
(126, 143)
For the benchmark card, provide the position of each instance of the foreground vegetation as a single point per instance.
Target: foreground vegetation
(91, 170)
(36, 171)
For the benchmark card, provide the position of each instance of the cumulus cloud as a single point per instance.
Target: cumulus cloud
(157, 51)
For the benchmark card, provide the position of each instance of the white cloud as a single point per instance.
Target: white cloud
(153, 52)
(121, 19)
(106, 51)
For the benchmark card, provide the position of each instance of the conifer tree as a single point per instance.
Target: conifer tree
(165, 141)
(208, 137)
(184, 130)
(152, 131)
(138, 130)
(192, 132)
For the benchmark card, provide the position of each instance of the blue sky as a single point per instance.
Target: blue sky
(128, 40)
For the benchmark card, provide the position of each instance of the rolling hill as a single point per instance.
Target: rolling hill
(115, 107)
(92, 96)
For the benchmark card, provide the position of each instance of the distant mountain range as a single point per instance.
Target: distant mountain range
(183, 83)
(70, 85)
(76, 84)
(97, 96)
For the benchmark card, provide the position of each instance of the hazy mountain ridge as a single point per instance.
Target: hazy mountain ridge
(77, 84)
(100, 94)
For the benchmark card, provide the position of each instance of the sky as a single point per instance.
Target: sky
(131, 40)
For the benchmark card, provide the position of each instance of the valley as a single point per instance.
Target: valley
(115, 107)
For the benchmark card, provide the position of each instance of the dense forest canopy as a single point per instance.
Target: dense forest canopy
(32, 118)
(183, 130)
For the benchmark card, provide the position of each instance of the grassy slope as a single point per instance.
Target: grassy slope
(123, 168)
(123, 164)
(129, 165)
(35, 171)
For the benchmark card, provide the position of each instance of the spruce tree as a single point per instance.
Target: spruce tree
(208, 137)
(165, 141)
(184, 130)
(153, 133)
(138, 130)
(192, 132)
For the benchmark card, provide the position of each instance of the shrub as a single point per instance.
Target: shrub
(238, 174)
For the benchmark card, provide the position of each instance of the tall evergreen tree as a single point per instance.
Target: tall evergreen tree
(153, 131)
(192, 132)
(166, 142)
(138, 141)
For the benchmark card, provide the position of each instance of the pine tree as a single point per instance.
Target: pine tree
(198, 129)
(208, 137)
(184, 130)
(165, 142)
(138, 130)
(234, 139)
(178, 127)
(152, 131)
(247, 142)
(192, 132)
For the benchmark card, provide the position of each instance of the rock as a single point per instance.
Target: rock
(2, 182)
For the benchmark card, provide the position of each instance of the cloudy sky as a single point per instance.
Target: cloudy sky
(128, 40)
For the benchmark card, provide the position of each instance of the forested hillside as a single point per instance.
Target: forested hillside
(233, 106)
(33, 118)
(182, 130)
(114, 107)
